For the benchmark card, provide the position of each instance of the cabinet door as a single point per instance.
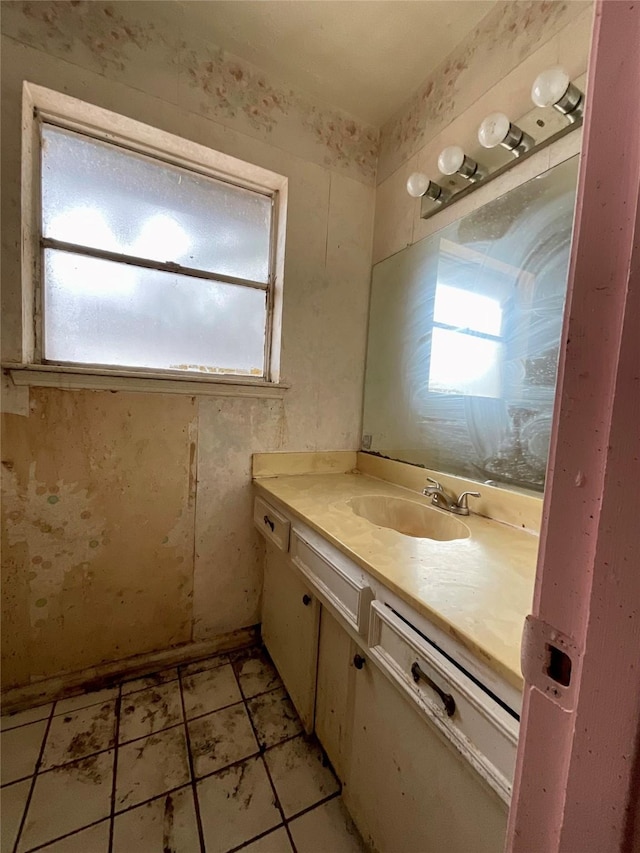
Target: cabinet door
(334, 691)
(406, 789)
(290, 625)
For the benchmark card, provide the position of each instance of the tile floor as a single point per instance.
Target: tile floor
(205, 757)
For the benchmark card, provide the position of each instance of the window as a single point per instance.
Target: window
(160, 258)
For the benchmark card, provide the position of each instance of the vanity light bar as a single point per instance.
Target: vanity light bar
(552, 88)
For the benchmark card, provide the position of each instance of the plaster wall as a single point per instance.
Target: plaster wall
(127, 515)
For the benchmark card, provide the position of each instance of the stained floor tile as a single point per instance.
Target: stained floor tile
(20, 750)
(165, 824)
(274, 717)
(327, 827)
(80, 733)
(275, 842)
(236, 805)
(21, 718)
(220, 739)
(255, 672)
(151, 766)
(13, 799)
(94, 839)
(68, 798)
(155, 809)
(210, 690)
(153, 680)
(300, 775)
(84, 700)
(149, 711)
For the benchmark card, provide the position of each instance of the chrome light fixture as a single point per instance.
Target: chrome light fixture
(418, 185)
(553, 88)
(453, 161)
(496, 130)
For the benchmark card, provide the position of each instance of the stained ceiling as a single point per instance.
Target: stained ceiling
(364, 56)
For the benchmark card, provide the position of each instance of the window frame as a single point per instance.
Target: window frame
(41, 105)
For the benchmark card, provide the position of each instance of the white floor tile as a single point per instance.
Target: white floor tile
(84, 700)
(210, 690)
(21, 718)
(80, 733)
(300, 777)
(152, 766)
(274, 717)
(220, 739)
(13, 799)
(255, 672)
(326, 828)
(20, 751)
(152, 680)
(236, 805)
(149, 711)
(275, 842)
(68, 798)
(165, 824)
(95, 839)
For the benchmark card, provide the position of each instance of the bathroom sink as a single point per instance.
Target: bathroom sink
(409, 518)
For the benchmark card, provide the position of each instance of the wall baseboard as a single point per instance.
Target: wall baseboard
(108, 674)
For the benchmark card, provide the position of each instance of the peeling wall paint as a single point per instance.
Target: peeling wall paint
(97, 530)
(166, 478)
(166, 578)
(125, 42)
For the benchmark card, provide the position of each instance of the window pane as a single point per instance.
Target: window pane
(102, 312)
(99, 195)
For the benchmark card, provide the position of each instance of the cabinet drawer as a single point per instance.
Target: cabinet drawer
(270, 523)
(345, 591)
(476, 724)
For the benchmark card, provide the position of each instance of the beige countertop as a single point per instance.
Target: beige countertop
(479, 590)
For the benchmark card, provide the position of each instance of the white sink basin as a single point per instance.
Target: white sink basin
(409, 518)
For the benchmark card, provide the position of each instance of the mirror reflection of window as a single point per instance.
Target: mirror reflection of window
(466, 344)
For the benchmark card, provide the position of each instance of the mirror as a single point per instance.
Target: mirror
(464, 331)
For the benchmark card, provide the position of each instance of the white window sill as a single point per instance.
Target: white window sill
(69, 378)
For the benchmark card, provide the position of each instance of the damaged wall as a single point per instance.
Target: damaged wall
(128, 515)
(177, 559)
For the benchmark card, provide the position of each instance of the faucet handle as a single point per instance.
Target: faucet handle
(434, 483)
(462, 499)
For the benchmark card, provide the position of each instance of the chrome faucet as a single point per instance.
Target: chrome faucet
(441, 499)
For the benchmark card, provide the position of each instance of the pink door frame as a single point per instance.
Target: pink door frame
(578, 769)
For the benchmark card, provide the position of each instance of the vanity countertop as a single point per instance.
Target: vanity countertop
(479, 590)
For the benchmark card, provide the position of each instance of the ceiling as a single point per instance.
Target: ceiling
(364, 56)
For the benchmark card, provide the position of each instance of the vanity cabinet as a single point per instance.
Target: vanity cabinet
(290, 628)
(424, 752)
(335, 690)
(405, 787)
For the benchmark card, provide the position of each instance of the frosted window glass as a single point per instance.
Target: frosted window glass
(108, 313)
(102, 196)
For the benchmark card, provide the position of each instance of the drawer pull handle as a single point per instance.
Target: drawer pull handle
(358, 661)
(447, 699)
(268, 521)
(306, 600)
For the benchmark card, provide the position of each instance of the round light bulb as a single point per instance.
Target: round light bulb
(549, 87)
(417, 184)
(493, 130)
(451, 160)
